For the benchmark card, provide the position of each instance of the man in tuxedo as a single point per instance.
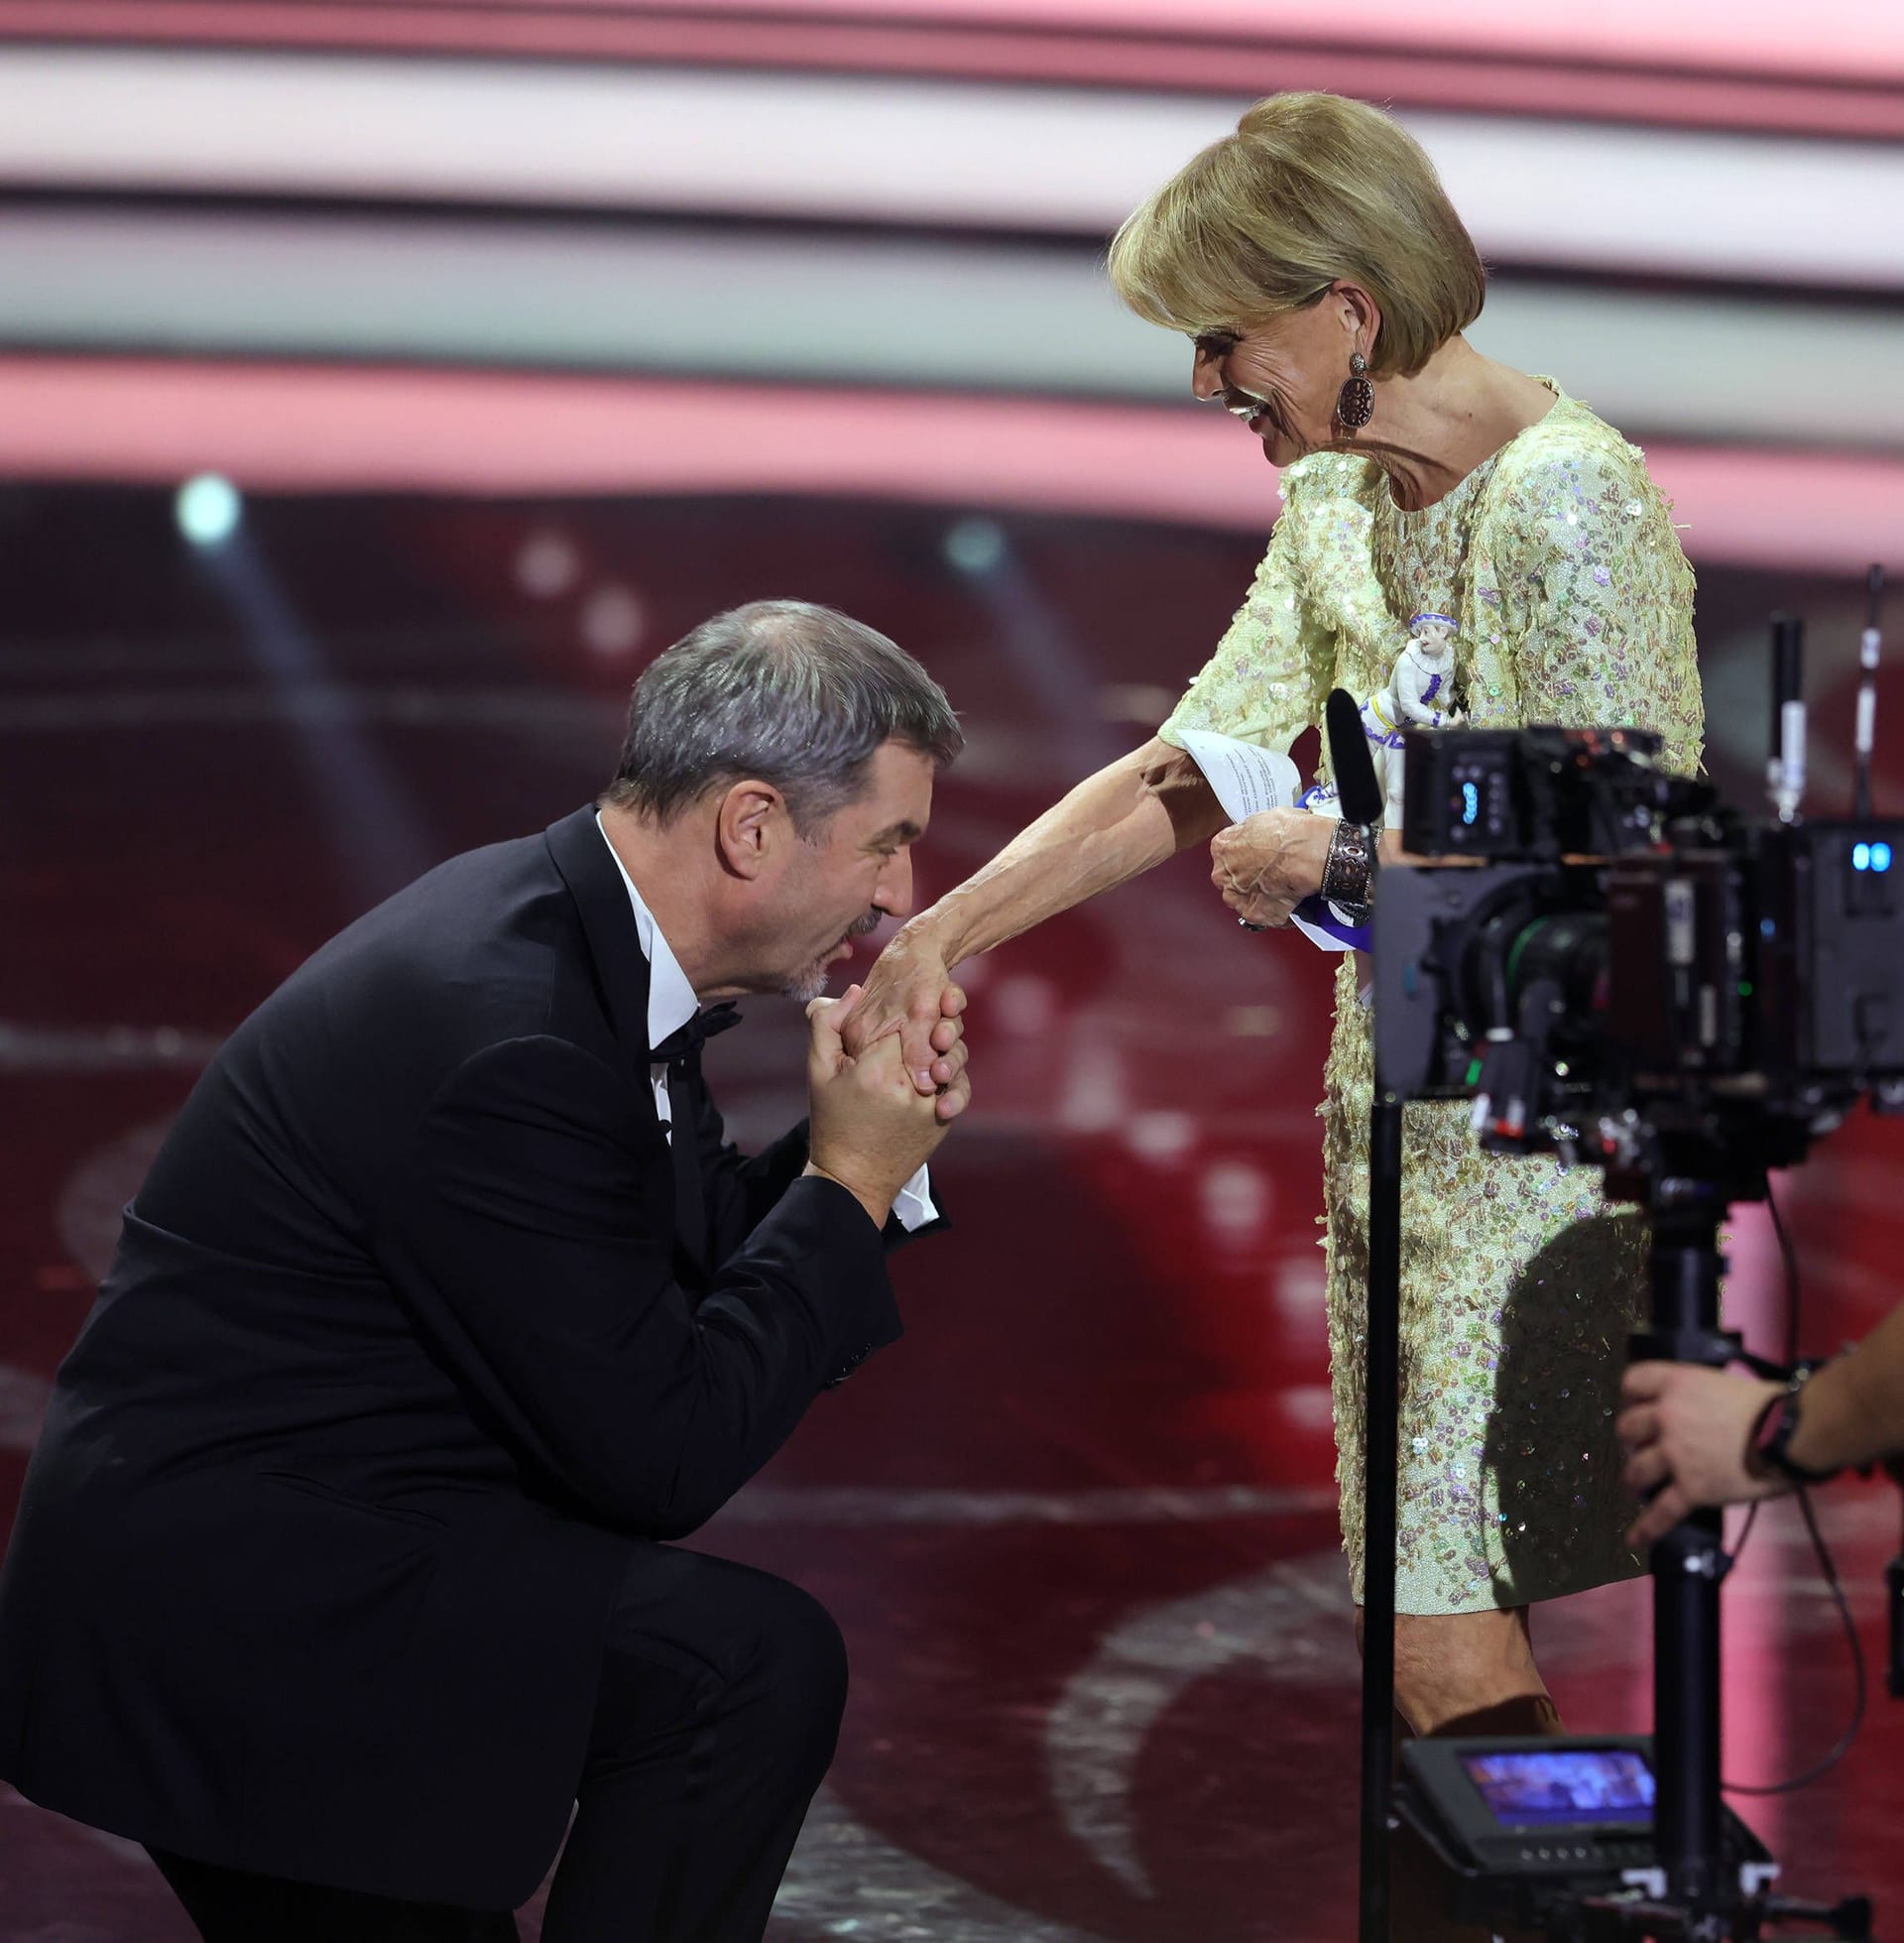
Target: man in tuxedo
(340, 1577)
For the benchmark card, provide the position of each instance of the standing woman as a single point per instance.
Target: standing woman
(1324, 280)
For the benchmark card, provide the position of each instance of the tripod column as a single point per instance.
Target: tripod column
(1686, 1565)
(1381, 1456)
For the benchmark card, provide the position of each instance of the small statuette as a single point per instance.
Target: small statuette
(1418, 695)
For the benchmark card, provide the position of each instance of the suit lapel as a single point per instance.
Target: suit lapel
(588, 868)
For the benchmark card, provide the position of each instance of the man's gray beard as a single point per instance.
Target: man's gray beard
(808, 985)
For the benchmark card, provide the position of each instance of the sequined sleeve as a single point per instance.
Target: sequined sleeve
(1597, 597)
(1264, 685)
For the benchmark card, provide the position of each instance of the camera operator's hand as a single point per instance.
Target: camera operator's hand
(871, 1129)
(1268, 863)
(1688, 1434)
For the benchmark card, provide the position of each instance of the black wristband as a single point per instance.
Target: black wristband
(1772, 1432)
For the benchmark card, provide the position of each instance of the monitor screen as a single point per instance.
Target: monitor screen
(1581, 1787)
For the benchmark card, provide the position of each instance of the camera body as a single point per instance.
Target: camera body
(1619, 970)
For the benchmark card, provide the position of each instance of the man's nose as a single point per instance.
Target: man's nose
(894, 894)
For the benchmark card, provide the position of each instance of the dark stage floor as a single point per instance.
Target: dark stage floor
(1079, 1526)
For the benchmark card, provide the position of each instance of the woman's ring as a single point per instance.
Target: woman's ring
(1247, 926)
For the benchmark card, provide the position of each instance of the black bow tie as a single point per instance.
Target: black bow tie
(685, 1042)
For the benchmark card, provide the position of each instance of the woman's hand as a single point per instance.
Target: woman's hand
(1267, 864)
(910, 991)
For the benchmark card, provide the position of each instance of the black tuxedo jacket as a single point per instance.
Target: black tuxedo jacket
(400, 1357)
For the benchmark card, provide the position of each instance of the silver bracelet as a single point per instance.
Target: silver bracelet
(1349, 876)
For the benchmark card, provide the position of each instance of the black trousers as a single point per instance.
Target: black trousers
(719, 1707)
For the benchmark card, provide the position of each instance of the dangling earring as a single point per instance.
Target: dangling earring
(1356, 402)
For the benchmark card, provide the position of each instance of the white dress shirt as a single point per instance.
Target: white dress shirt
(671, 1004)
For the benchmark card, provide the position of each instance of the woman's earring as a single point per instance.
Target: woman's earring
(1356, 402)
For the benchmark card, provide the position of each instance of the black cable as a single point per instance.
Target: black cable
(1842, 1746)
(1788, 1255)
(1861, 1682)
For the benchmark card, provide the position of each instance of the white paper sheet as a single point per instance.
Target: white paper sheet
(1248, 780)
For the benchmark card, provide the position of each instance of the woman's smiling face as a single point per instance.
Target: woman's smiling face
(1282, 377)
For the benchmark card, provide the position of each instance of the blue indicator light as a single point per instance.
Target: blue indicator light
(1861, 856)
(1471, 805)
(1880, 856)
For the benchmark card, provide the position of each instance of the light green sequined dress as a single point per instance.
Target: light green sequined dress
(1557, 558)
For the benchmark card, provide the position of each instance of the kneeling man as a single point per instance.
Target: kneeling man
(340, 1576)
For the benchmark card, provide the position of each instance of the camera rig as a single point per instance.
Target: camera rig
(1620, 971)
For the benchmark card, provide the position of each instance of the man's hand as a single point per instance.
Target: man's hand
(1686, 1432)
(1268, 863)
(872, 1130)
(911, 991)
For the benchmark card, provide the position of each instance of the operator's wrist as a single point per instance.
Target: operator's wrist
(1785, 1439)
(877, 1209)
(1768, 1396)
(1826, 1433)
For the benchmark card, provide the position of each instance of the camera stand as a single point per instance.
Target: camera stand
(1702, 1876)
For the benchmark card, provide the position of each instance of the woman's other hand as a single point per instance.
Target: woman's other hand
(910, 991)
(1267, 864)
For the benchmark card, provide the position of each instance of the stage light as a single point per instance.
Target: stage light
(1880, 856)
(1861, 856)
(613, 623)
(974, 545)
(547, 564)
(208, 509)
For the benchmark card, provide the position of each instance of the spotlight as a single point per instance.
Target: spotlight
(547, 564)
(613, 623)
(208, 509)
(974, 545)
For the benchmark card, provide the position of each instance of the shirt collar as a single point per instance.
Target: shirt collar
(670, 998)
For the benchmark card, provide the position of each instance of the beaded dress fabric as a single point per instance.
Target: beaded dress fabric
(1558, 560)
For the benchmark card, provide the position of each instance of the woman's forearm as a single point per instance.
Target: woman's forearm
(1112, 828)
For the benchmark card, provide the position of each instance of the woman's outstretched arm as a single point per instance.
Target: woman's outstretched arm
(1112, 826)
(1264, 685)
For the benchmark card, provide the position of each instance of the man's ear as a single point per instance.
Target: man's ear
(750, 825)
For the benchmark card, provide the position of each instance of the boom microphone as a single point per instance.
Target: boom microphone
(1357, 787)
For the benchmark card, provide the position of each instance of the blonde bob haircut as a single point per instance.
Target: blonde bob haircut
(1310, 191)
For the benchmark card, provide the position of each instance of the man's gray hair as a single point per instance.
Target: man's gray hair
(800, 695)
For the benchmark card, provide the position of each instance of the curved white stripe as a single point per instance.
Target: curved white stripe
(1289, 1623)
(844, 1880)
(909, 150)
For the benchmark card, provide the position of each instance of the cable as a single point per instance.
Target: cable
(1842, 1746)
(1788, 1255)
(1826, 1565)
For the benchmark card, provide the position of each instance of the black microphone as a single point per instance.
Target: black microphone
(1357, 787)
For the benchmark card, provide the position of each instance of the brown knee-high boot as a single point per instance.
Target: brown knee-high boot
(1417, 1883)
